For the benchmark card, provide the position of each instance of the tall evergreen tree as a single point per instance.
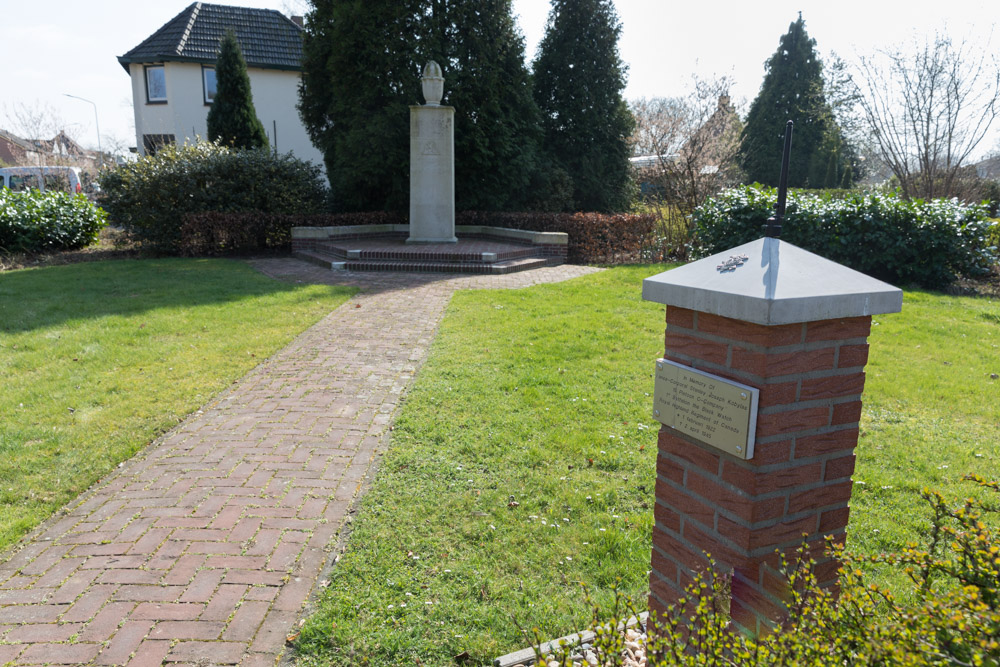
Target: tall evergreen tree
(360, 74)
(793, 90)
(362, 65)
(578, 83)
(481, 50)
(232, 119)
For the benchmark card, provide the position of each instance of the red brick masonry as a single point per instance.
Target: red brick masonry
(810, 377)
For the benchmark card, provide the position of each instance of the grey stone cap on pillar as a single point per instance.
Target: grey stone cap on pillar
(772, 282)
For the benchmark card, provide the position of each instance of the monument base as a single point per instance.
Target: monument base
(418, 241)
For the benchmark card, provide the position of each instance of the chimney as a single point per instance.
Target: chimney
(299, 21)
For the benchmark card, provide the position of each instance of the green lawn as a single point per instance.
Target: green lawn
(523, 463)
(99, 358)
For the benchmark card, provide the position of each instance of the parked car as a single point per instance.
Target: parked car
(42, 178)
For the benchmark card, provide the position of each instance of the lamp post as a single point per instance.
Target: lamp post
(100, 153)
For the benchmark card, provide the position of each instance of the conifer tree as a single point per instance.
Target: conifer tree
(360, 74)
(362, 65)
(578, 83)
(793, 90)
(481, 50)
(232, 119)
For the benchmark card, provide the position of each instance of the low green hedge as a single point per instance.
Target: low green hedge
(902, 242)
(35, 221)
(594, 238)
(149, 197)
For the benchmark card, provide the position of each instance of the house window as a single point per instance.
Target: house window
(208, 83)
(156, 84)
(153, 142)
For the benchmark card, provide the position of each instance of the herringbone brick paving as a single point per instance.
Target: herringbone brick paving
(204, 548)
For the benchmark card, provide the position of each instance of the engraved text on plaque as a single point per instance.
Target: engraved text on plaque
(716, 411)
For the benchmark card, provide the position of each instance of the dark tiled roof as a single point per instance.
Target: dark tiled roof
(267, 38)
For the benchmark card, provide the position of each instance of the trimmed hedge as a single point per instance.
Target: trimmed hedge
(593, 237)
(35, 221)
(150, 196)
(903, 242)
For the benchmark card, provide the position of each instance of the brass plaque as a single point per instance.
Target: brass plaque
(711, 409)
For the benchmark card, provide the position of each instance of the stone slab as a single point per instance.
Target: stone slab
(778, 283)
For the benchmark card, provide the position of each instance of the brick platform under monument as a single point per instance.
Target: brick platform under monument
(480, 250)
(794, 326)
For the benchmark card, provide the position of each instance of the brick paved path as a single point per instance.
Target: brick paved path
(204, 548)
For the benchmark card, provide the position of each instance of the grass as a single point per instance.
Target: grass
(100, 358)
(533, 412)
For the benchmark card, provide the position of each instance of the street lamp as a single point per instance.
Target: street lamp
(100, 153)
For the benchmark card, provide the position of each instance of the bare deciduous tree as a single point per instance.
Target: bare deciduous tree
(928, 110)
(690, 144)
(37, 120)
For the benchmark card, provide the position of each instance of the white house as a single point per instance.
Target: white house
(173, 76)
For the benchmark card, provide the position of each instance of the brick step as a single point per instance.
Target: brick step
(319, 258)
(428, 266)
(344, 250)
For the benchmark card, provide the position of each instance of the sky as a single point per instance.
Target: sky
(57, 47)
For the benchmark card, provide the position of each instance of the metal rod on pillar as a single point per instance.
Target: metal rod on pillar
(773, 228)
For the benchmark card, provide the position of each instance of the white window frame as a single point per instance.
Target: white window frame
(149, 97)
(205, 69)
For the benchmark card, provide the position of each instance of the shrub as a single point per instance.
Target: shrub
(35, 221)
(218, 233)
(150, 196)
(593, 237)
(927, 243)
(952, 616)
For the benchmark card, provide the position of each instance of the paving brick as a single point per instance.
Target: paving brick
(183, 570)
(9, 652)
(203, 586)
(187, 630)
(59, 654)
(129, 577)
(167, 611)
(32, 613)
(107, 621)
(218, 653)
(150, 653)
(149, 593)
(224, 602)
(45, 559)
(25, 595)
(273, 632)
(42, 632)
(125, 641)
(89, 603)
(245, 622)
(59, 572)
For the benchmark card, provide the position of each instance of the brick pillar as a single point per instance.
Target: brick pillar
(810, 375)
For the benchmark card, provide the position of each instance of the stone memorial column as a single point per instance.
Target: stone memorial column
(432, 164)
(759, 394)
